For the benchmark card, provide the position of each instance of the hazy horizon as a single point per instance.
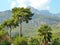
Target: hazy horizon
(50, 5)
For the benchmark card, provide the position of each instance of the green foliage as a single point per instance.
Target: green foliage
(56, 41)
(25, 13)
(7, 23)
(20, 41)
(4, 42)
(10, 22)
(33, 41)
(21, 14)
(2, 33)
(1, 27)
(45, 32)
(44, 28)
(15, 23)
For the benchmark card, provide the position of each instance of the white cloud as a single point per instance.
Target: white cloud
(23, 3)
(13, 4)
(38, 4)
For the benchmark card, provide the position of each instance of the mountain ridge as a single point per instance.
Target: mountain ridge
(40, 17)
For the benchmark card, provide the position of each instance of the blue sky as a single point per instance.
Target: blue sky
(51, 5)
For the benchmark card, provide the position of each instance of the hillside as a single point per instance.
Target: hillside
(5, 15)
(40, 17)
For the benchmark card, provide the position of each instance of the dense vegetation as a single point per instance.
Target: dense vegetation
(45, 35)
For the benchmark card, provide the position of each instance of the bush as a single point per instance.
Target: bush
(33, 41)
(56, 42)
(20, 41)
(4, 42)
(2, 33)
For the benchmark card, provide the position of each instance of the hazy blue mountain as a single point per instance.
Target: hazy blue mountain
(5, 15)
(58, 14)
(40, 17)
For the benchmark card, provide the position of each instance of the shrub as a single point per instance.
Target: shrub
(56, 42)
(4, 42)
(33, 41)
(20, 41)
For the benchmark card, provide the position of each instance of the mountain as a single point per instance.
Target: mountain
(58, 14)
(5, 15)
(40, 17)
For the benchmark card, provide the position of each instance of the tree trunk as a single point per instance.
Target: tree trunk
(20, 26)
(45, 43)
(21, 30)
(10, 32)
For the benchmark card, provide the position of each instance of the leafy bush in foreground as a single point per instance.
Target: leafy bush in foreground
(4, 42)
(20, 41)
(33, 41)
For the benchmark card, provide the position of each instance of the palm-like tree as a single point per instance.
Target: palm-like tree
(45, 32)
(1, 27)
(9, 24)
(22, 14)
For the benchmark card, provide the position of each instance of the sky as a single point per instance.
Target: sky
(52, 5)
